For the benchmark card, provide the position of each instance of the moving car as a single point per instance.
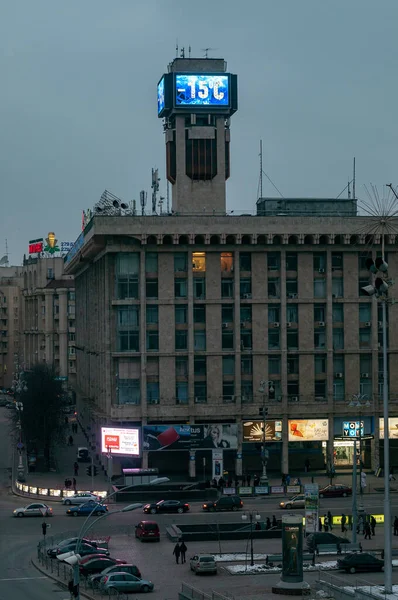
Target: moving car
(147, 530)
(224, 503)
(86, 509)
(360, 561)
(80, 498)
(83, 454)
(53, 551)
(167, 506)
(84, 549)
(94, 580)
(323, 537)
(293, 502)
(36, 509)
(96, 564)
(203, 563)
(335, 491)
(124, 582)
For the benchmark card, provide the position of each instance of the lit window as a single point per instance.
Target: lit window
(199, 261)
(227, 262)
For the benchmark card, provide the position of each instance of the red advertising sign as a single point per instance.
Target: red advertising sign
(36, 246)
(112, 441)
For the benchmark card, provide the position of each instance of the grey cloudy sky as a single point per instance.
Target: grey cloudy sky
(317, 81)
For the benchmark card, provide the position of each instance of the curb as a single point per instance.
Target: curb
(51, 576)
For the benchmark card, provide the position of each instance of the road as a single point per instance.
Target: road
(19, 580)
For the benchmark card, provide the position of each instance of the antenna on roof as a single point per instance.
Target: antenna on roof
(168, 197)
(349, 190)
(155, 189)
(206, 51)
(143, 199)
(261, 168)
(182, 53)
(176, 48)
(353, 181)
(189, 51)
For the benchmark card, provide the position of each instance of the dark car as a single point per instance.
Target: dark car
(147, 530)
(167, 506)
(97, 564)
(360, 561)
(127, 568)
(335, 491)
(84, 510)
(224, 503)
(323, 537)
(53, 551)
(84, 549)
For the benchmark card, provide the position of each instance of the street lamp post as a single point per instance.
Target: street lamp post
(257, 518)
(265, 385)
(18, 387)
(356, 401)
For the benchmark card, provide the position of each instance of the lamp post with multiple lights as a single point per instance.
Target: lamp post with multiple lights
(269, 386)
(256, 517)
(19, 387)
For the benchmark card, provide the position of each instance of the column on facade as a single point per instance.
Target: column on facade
(284, 401)
(49, 325)
(63, 332)
(239, 460)
(285, 444)
(330, 443)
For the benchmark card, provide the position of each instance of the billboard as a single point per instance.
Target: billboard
(354, 429)
(36, 246)
(292, 548)
(392, 428)
(161, 100)
(201, 90)
(253, 431)
(120, 441)
(185, 437)
(311, 503)
(308, 430)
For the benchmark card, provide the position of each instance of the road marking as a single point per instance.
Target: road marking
(21, 578)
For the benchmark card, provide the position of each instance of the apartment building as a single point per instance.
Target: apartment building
(10, 323)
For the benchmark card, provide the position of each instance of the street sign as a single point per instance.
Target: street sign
(353, 429)
(20, 445)
(60, 379)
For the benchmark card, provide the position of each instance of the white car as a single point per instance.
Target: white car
(81, 498)
(37, 509)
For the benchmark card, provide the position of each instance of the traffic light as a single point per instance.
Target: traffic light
(381, 283)
(88, 470)
(95, 471)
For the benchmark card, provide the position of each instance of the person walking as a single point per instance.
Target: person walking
(320, 524)
(395, 525)
(307, 465)
(268, 523)
(183, 550)
(373, 524)
(177, 552)
(325, 522)
(76, 469)
(330, 520)
(367, 531)
(74, 485)
(248, 479)
(275, 523)
(343, 522)
(256, 480)
(70, 441)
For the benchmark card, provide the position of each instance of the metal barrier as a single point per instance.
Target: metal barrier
(187, 591)
(356, 588)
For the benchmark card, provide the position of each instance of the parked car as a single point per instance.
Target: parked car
(83, 510)
(293, 502)
(147, 530)
(36, 509)
(67, 542)
(323, 537)
(124, 582)
(167, 506)
(80, 498)
(335, 491)
(224, 503)
(203, 563)
(83, 454)
(84, 549)
(360, 561)
(96, 564)
(95, 579)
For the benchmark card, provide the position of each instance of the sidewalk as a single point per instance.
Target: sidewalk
(373, 483)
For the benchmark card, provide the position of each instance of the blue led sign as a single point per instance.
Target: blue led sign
(201, 90)
(161, 99)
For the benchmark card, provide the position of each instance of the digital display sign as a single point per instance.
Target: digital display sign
(36, 246)
(161, 99)
(354, 429)
(308, 430)
(120, 441)
(201, 90)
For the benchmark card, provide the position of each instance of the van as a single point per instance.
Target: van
(147, 531)
(83, 454)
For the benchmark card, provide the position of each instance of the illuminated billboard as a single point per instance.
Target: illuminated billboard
(202, 90)
(186, 437)
(308, 430)
(120, 441)
(161, 100)
(36, 246)
(253, 431)
(392, 428)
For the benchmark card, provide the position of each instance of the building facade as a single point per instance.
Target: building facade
(11, 340)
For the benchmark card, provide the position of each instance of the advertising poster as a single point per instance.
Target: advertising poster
(253, 431)
(292, 548)
(217, 464)
(186, 437)
(392, 428)
(311, 505)
(308, 430)
(120, 441)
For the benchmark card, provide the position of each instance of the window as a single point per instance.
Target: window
(180, 287)
(319, 261)
(199, 366)
(228, 392)
(274, 261)
(227, 313)
(246, 287)
(320, 364)
(319, 338)
(338, 365)
(71, 296)
(293, 391)
(292, 365)
(247, 392)
(291, 261)
(338, 339)
(320, 288)
(291, 288)
(199, 261)
(246, 365)
(292, 313)
(274, 365)
(228, 365)
(227, 340)
(127, 270)
(199, 313)
(226, 262)
(365, 388)
(320, 389)
(152, 314)
(274, 339)
(292, 340)
(365, 313)
(246, 339)
(365, 334)
(152, 289)
(128, 328)
(72, 350)
(152, 341)
(362, 258)
(151, 262)
(181, 339)
(199, 288)
(338, 390)
(227, 288)
(337, 261)
(245, 261)
(363, 282)
(181, 314)
(152, 392)
(274, 313)
(200, 392)
(180, 262)
(50, 273)
(337, 287)
(181, 392)
(319, 313)
(337, 313)
(128, 391)
(182, 366)
(199, 338)
(72, 337)
(246, 314)
(274, 287)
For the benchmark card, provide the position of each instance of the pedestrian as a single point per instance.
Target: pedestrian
(391, 477)
(248, 479)
(325, 522)
(177, 552)
(287, 479)
(343, 522)
(274, 521)
(373, 524)
(283, 479)
(307, 465)
(70, 440)
(183, 550)
(320, 524)
(258, 526)
(221, 483)
(395, 525)
(330, 520)
(44, 529)
(66, 482)
(74, 485)
(229, 481)
(76, 468)
(367, 531)
(268, 523)
(236, 483)
(256, 480)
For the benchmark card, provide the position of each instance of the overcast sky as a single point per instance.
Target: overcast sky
(317, 82)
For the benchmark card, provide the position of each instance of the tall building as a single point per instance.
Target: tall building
(189, 323)
(10, 323)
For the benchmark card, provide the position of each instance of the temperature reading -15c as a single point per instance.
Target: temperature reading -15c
(202, 88)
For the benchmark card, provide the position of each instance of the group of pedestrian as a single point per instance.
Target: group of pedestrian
(70, 483)
(180, 549)
(74, 427)
(327, 522)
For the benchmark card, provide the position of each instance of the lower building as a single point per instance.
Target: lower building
(10, 324)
